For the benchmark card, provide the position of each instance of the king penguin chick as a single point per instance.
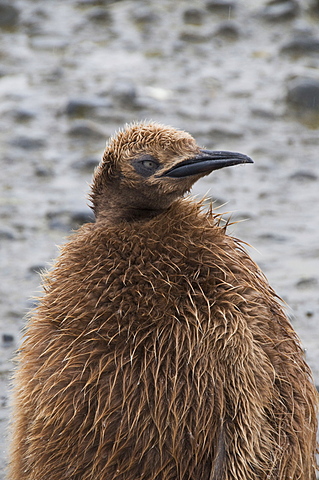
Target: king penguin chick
(159, 351)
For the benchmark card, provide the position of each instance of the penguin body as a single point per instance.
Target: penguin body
(159, 351)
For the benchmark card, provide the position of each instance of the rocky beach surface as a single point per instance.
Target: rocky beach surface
(238, 75)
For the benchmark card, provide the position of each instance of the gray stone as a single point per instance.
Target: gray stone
(304, 176)
(194, 16)
(217, 6)
(38, 269)
(23, 115)
(84, 107)
(86, 131)
(280, 10)
(309, 282)
(100, 15)
(7, 339)
(302, 45)
(9, 15)
(66, 220)
(229, 30)
(303, 93)
(87, 165)
(7, 234)
(124, 93)
(144, 15)
(27, 143)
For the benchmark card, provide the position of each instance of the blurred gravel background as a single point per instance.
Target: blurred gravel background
(238, 75)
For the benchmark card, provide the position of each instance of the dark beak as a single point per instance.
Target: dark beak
(205, 162)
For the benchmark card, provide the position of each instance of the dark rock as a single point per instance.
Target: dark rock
(7, 339)
(9, 15)
(86, 131)
(43, 171)
(86, 165)
(193, 16)
(303, 93)
(307, 283)
(7, 234)
(27, 143)
(67, 220)
(220, 133)
(90, 3)
(229, 29)
(22, 115)
(224, 6)
(144, 15)
(280, 10)
(304, 176)
(47, 42)
(38, 269)
(81, 107)
(303, 45)
(194, 36)
(124, 93)
(272, 237)
(100, 15)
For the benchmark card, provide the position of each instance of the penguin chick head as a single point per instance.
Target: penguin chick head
(147, 166)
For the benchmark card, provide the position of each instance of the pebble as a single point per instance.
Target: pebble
(23, 115)
(303, 93)
(142, 15)
(69, 220)
(302, 45)
(85, 107)
(307, 282)
(38, 269)
(124, 93)
(87, 165)
(229, 29)
(280, 10)
(100, 15)
(304, 176)
(7, 234)
(193, 16)
(7, 339)
(9, 15)
(44, 171)
(27, 143)
(86, 131)
(217, 6)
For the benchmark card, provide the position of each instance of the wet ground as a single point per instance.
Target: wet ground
(237, 75)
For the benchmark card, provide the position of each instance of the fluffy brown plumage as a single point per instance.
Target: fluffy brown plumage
(159, 351)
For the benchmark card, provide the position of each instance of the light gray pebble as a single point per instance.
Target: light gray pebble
(86, 131)
(86, 165)
(280, 10)
(303, 93)
(27, 143)
(7, 234)
(85, 107)
(66, 221)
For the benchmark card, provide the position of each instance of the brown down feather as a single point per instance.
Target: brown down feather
(159, 351)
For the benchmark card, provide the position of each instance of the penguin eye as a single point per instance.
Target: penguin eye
(149, 164)
(145, 165)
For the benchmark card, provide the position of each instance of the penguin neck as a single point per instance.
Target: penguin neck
(128, 214)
